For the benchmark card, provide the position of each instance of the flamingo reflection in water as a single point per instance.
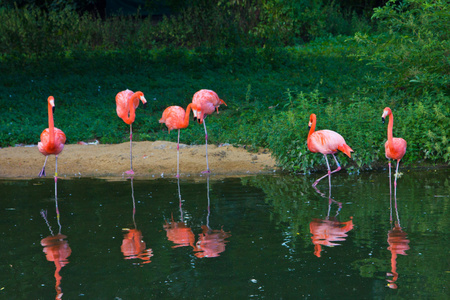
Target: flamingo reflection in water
(211, 242)
(133, 246)
(326, 232)
(178, 232)
(397, 240)
(56, 247)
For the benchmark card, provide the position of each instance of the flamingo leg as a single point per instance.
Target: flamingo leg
(131, 172)
(390, 192)
(42, 173)
(56, 168)
(178, 155)
(328, 174)
(396, 175)
(337, 163)
(206, 144)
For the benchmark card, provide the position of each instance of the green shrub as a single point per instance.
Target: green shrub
(413, 48)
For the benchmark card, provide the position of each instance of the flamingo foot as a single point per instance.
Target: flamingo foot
(42, 173)
(206, 172)
(129, 172)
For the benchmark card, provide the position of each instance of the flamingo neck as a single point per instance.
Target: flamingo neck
(389, 131)
(313, 126)
(186, 116)
(131, 114)
(51, 124)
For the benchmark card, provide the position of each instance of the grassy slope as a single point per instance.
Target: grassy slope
(270, 94)
(85, 84)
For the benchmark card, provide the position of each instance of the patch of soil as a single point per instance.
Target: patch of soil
(150, 159)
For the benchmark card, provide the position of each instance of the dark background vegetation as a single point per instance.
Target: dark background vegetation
(273, 62)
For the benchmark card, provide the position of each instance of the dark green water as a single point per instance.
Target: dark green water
(254, 242)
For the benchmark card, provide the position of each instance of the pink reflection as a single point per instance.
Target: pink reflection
(178, 232)
(210, 242)
(133, 245)
(56, 247)
(398, 244)
(397, 240)
(328, 231)
(57, 250)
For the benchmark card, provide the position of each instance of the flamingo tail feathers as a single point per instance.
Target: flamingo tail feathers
(346, 149)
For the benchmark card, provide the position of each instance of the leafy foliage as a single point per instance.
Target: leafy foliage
(413, 49)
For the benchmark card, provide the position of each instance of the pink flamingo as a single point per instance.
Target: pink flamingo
(126, 104)
(176, 118)
(52, 139)
(326, 142)
(204, 103)
(395, 148)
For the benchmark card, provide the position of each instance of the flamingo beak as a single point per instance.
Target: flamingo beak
(382, 119)
(53, 109)
(144, 101)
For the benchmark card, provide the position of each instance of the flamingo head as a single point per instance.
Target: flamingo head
(197, 111)
(51, 102)
(386, 112)
(142, 98)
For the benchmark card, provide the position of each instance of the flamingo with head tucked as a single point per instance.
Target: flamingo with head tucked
(176, 118)
(126, 104)
(204, 103)
(326, 142)
(52, 139)
(395, 147)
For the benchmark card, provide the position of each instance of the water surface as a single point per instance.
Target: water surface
(272, 237)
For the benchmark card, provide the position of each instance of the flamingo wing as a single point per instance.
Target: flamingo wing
(173, 117)
(206, 101)
(327, 142)
(122, 107)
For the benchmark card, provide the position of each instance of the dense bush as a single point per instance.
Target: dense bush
(424, 125)
(414, 47)
(34, 31)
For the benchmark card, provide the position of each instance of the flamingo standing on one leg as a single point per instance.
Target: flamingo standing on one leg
(326, 142)
(176, 118)
(126, 104)
(395, 147)
(204, 103)
(52, 139)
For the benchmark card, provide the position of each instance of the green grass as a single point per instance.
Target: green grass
(84, 85)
